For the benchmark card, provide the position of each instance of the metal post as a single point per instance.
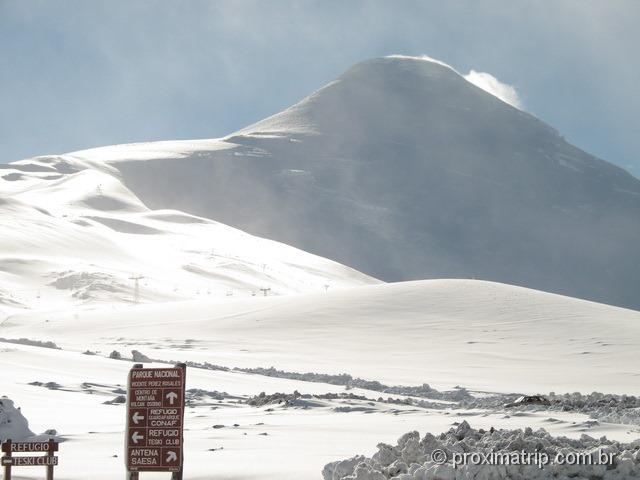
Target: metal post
(50, 454)
(178, 475)
(7, 467)
(136, 288)
(130, 475)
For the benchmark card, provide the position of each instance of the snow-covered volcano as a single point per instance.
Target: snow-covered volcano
(403, 169)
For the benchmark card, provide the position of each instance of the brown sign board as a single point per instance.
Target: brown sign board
(8, 461)
(43, 461)
(25, 447)
(155, 418)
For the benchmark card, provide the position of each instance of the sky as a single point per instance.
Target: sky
(78, 74)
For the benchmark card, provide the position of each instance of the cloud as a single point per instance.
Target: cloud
(505, 92)
(487, 82)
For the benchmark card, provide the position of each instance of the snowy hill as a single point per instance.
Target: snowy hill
(476, 334)
(494, 339)
(404, 170)
(72, 233)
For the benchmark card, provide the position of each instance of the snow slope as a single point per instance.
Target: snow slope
(73, 233)
(486, 336)
(404, 170)
(479, 335)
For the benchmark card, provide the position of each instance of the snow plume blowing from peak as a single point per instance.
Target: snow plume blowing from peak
(425, 58)
(487, 82)
(505, 92)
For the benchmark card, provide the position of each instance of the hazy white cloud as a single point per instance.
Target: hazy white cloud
(505, 92)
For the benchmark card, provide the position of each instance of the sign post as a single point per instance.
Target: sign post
(155, 420)
(49, 460)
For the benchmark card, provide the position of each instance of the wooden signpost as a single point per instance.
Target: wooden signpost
(49, 460)
(155, 419)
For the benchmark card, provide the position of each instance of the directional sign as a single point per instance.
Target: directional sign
(30, 461)
(10, 448)
(19, 447)
(155, 411)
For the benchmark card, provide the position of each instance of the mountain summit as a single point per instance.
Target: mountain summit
(404, 170)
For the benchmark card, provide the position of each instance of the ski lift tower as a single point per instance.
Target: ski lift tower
(265, 291)
(136, 287)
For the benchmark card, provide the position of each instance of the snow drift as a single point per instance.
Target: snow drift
(416, 458)
(13, 424)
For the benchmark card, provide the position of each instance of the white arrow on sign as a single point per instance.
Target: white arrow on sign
(172, 457)
(137, 417)
(136, 436)
(172, 396)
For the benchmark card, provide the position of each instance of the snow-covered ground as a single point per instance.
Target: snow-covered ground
(491, 338)
(479, 335)
(300, 439)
